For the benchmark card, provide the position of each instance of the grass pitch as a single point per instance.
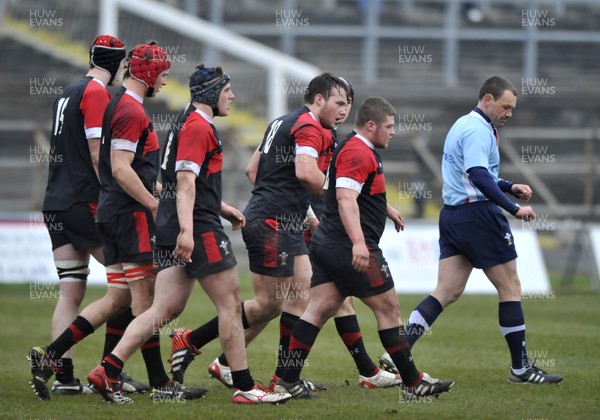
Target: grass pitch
(465, 344)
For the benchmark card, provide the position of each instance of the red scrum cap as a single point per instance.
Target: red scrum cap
(146, 62)
(106, 53)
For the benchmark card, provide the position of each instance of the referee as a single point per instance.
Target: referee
(473, 229)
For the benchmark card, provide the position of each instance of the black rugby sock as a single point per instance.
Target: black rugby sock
(65, 373)
(396, 344)
(349, 331)
(286, 325)
(115, 328)
(77, 331)
(157, 376)
(301, 342)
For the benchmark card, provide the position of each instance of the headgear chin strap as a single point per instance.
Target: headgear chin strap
(350, 89)
(106, 53)
(206, 85)
(146, 62)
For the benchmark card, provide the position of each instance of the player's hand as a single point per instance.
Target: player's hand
(526, 214)
(360, 258)
(395, 216)
(158, 189)
(236, 217)
(154, 210)
(522, 191)
(312, 223)
(185, 246)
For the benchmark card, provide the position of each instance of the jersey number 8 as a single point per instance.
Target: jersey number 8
(269, 139)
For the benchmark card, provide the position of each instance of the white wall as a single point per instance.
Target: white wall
(412, 255)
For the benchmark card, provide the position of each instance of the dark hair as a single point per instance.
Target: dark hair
(373, 109)
(496, 86)
(322, 85)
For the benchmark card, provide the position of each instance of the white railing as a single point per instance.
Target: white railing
(276, 64)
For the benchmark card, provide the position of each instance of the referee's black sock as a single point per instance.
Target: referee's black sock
(422, 318)
(512, 325)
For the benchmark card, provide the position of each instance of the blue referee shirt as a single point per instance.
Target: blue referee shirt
(470, 142)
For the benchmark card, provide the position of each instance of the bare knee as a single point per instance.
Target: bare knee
(346, 309)
(262, 310)
(320, 310)
(141, 305)
(329, 311)
(391, 309)
(72, 293)
(142, 294)
(447, 296)
(510, 290)
(118, 301)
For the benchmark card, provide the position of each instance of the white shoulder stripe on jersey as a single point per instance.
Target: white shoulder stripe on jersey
(307, 150)
(349, 183)
(122, 144)
(187, 165)
(93, 132)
